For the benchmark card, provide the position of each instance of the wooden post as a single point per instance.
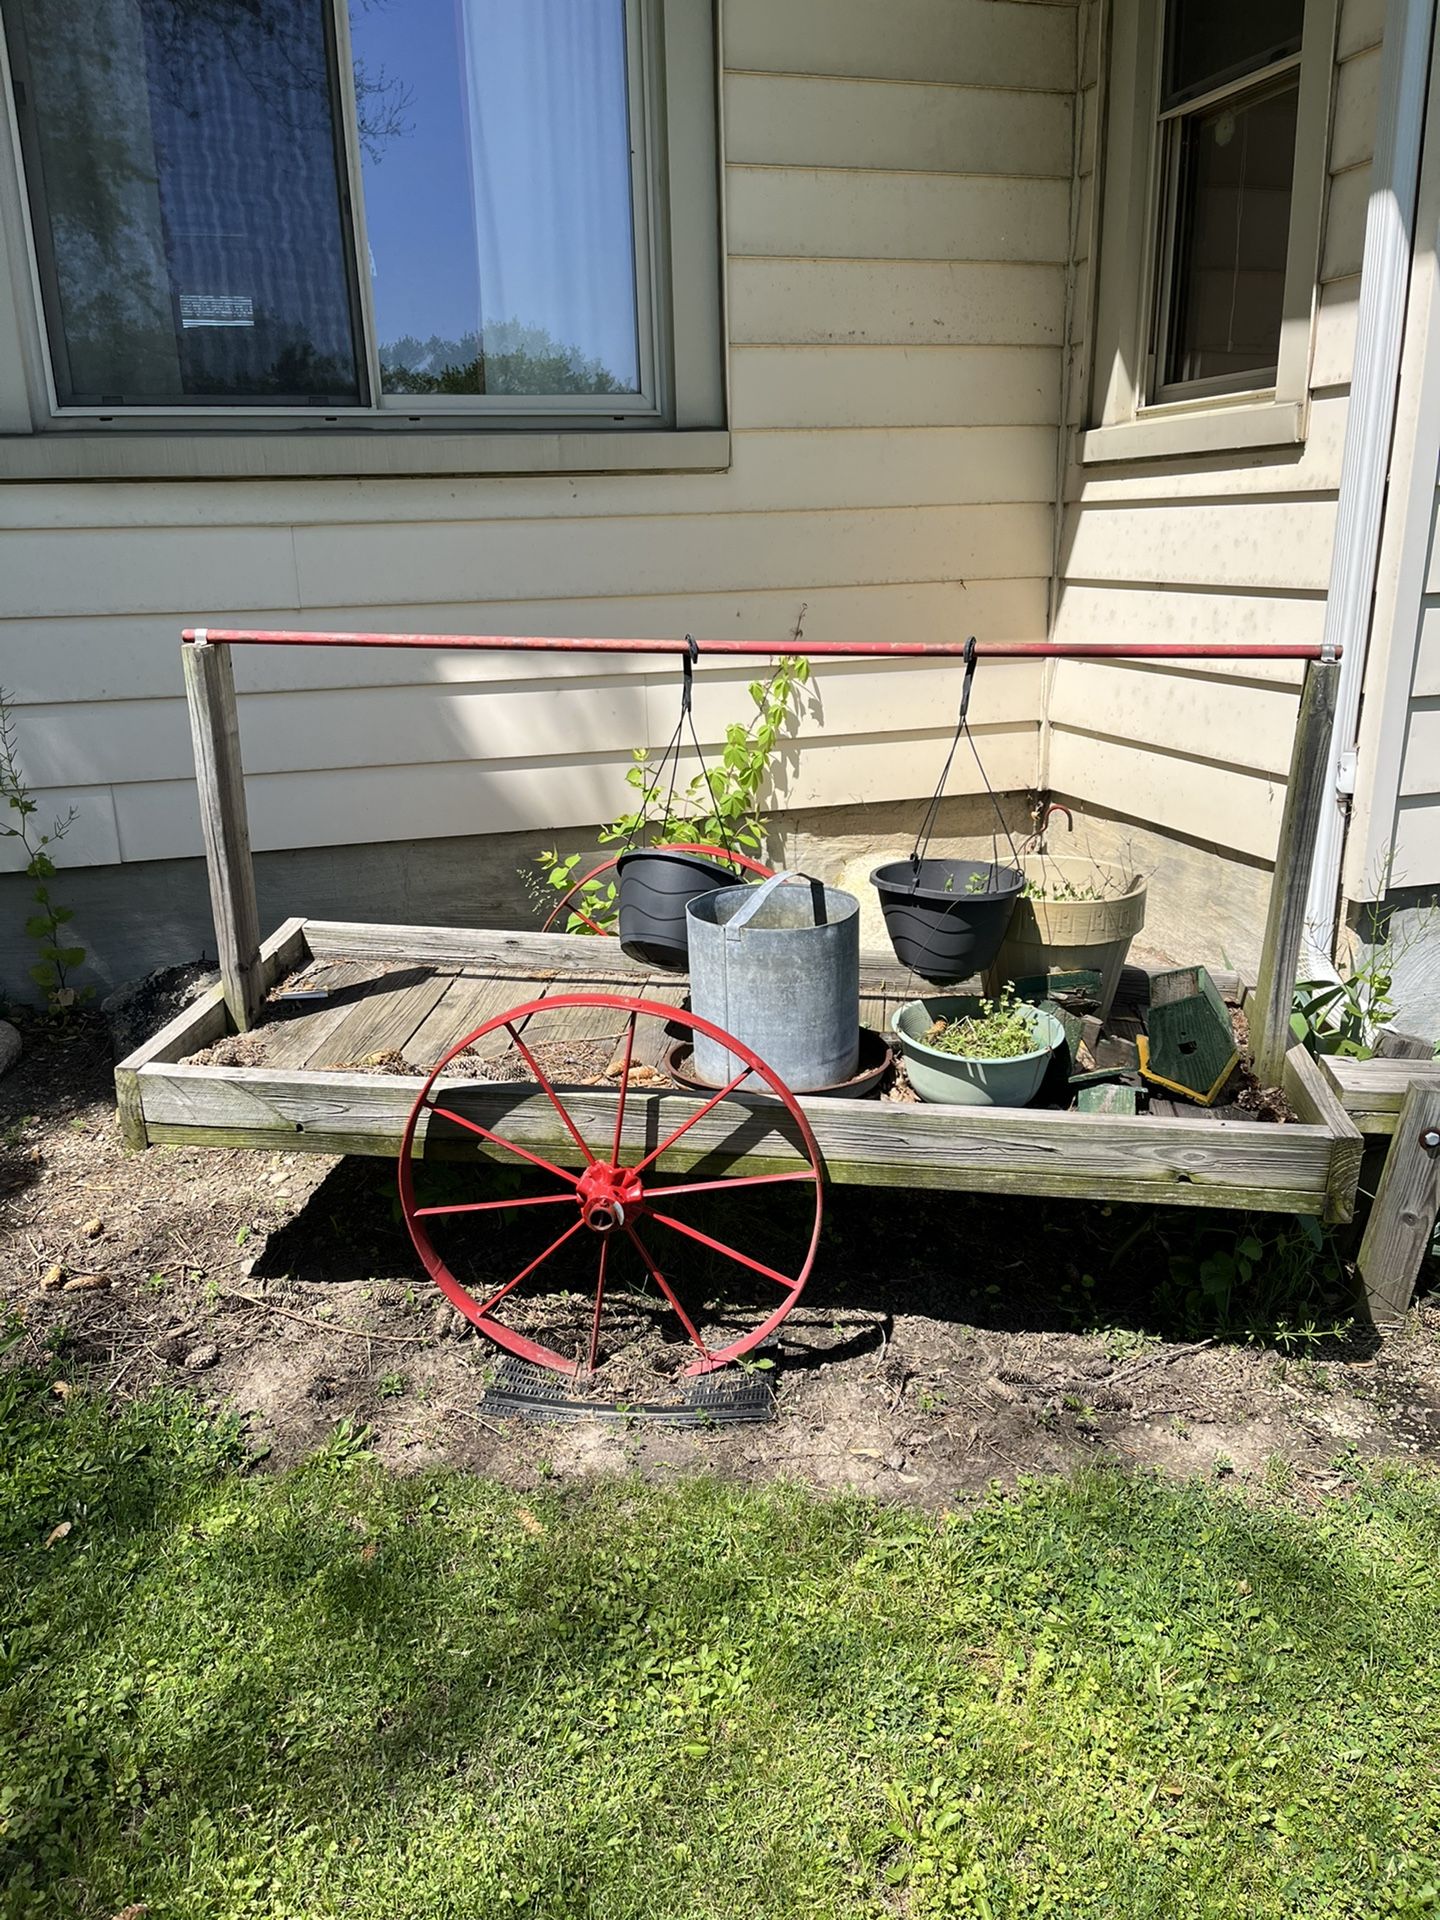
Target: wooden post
(1402, 1219)
(1269, 1006)
(214, 729)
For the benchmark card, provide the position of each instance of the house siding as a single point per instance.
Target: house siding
(897, 206)
(1222, 548)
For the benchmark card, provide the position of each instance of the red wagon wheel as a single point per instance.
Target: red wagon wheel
(741, 860)
(613, 1200)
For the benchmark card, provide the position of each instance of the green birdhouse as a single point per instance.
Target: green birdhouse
(1188, 1046)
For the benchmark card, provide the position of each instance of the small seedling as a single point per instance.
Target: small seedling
(58, 955)
(1003, 1029)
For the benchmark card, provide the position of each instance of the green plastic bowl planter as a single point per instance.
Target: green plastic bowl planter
(952, 1080)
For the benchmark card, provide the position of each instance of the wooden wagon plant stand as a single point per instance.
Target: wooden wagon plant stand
(415, 997)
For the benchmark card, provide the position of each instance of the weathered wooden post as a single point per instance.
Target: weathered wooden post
(215, 731)
(1407, 1200)
(1269, 1006)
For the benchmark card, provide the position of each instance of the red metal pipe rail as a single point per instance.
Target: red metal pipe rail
(752, 649)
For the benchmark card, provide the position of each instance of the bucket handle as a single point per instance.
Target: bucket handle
(759, 895)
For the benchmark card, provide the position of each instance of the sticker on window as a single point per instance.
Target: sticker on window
(216, 310)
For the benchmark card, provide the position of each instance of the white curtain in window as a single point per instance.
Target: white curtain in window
(550, 149)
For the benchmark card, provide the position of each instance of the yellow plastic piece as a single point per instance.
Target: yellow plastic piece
(1142, 1047)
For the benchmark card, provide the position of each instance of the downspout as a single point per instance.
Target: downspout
(1364, 467)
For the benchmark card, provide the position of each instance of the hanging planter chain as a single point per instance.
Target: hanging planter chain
(673, 751)
(932, 812)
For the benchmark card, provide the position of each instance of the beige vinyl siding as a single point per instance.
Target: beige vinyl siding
(898, 208)
(1228, 547)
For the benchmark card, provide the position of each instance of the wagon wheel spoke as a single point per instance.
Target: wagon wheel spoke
(550, 1093)
(499, 1140)
(721, 1246)
(664, 1285)
(599, 1301)
(730, 1183)
(494, 1206)
(685, 1125)
(620, 1105)
(525, 1272)
(601, 1192)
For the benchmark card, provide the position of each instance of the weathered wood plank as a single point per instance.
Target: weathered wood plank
(1107, 1099)
(582, 960)
(1316, 1102)
(1393, 1045)
(1373, 1091)
(1205, 1163)
(653, 1038)
(467, 1003)
(292, 1036)
(200, 1024)
(383, 1021)
(1306, 794)
(215, 734)
(521, 955)
(1402, 1219)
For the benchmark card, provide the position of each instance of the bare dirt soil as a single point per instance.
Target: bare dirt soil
(942, 1342)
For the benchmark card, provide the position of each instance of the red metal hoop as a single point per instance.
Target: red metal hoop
(613, 1192)
(696, 846)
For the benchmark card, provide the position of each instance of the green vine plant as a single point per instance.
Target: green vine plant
(720, 806)
(1343, 1016)
(56, 954)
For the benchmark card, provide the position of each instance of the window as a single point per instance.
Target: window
(368, 214)
(1228, 148)
(1209, 236)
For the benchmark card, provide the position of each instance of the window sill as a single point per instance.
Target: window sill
(335, 453)
(1270, 423)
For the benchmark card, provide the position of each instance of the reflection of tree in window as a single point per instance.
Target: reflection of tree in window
(299, 94)
(513, 358)
(188, 161)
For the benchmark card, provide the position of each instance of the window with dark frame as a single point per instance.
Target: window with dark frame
(1229, 94)
(378, 206)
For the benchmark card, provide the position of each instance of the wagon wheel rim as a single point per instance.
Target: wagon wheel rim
(614, 1189)
(741, 860)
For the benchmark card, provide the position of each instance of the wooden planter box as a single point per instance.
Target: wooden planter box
(437, 984)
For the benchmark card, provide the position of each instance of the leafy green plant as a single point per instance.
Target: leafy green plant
(1003, 1029)
(57, 954)
(1281, 1283)
(1338, 1016)
(719, 806)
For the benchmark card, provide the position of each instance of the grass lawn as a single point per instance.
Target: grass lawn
(334, 1691)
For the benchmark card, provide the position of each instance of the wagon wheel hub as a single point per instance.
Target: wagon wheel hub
(640, 1214)
(609, 1197)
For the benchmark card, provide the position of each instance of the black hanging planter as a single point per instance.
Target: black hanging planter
(656, 886)
(947, 918)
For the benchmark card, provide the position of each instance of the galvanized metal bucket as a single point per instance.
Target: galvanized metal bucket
(778, 966)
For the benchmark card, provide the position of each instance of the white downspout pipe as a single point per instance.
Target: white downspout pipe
(1364, 467)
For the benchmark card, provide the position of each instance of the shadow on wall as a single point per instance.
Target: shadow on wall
(1205, 904)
